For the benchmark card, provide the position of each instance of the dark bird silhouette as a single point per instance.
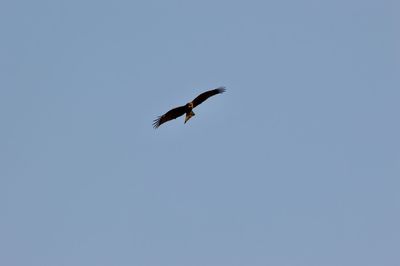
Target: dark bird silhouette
(187, 108)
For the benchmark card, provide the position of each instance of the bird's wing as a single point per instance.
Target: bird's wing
(171, 114)
(205, 95)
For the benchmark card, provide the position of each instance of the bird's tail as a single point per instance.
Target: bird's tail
(188, 116)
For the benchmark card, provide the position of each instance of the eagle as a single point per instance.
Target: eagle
(187, 108)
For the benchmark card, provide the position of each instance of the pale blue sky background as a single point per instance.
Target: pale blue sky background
(298, 163)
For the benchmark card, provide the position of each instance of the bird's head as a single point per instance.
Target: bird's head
(189, 105)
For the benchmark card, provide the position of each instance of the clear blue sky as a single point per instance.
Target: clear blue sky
(298, 163)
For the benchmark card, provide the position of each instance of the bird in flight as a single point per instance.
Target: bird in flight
(187, 108)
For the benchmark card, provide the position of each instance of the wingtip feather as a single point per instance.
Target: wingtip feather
(156, 122)
(221, 89)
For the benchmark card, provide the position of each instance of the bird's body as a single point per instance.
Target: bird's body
(187, 108)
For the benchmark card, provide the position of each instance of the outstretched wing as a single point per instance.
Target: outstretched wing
(171, 114)
(205, 95)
